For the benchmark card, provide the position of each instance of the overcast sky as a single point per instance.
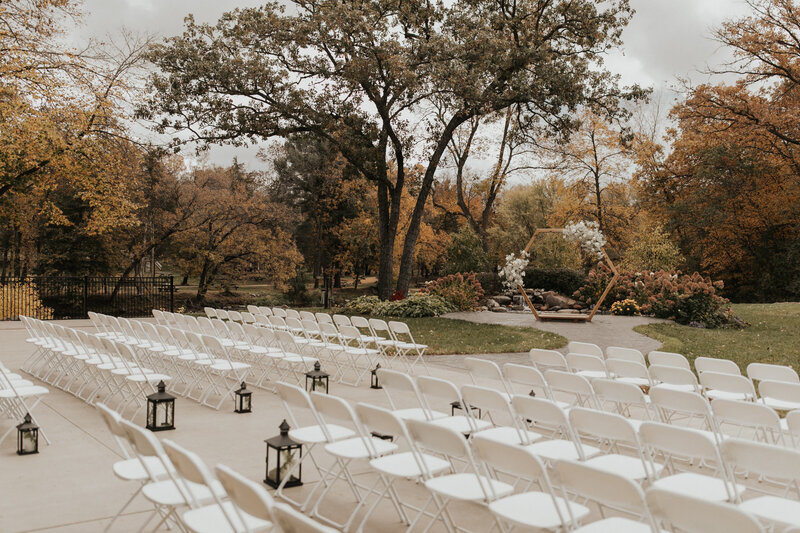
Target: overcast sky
(665, 40)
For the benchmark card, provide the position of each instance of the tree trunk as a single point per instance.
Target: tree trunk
(387, 223)
(202, 283)
(185, 280)
(597, 192)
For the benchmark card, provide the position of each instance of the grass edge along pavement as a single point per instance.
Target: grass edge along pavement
(773, 336)
(447, 336)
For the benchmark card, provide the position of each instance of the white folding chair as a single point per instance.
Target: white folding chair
(629, 372)
(488, 373)
(410, 350)
(538, 509)
(749, 420)
(717, 386)
(607, 490)
(361, 447)
(688, 408)
(469, 485)
(660, 358)
(616, 434)
(16, 401)
(252, 503)
(577, 387)
(780, 395)
(625, 399)
(291, 521)
(691, 515)
(411, 465)
(530, 378)
(548, 360)
(232, 373)
(588, 366)
(495, 404)
(682, 450)
(585, 348)
(781, 466)
(439, 390)
(625, 354)
(404, 397)
(547, 418)
(770, 372)
(674, 377)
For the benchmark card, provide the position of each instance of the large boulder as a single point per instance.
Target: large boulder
(502, 299)
(491, 303)
(554, 301)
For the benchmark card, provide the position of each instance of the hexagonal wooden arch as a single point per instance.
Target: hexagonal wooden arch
(568, 316)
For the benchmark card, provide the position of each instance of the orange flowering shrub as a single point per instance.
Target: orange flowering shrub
(685, 298)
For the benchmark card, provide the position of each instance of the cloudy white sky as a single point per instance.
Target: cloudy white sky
(665, 40)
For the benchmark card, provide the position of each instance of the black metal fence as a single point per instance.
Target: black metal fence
(60, 297)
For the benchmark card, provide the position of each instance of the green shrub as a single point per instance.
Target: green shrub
(416, 305)
(625, 308)
(463, 290)
(465, 253)
(684, 298)
(490, 282)
(561, 280)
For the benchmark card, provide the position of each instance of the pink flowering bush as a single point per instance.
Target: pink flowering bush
(681, 297)
(463, 290)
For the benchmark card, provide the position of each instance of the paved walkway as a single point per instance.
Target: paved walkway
(603, 330)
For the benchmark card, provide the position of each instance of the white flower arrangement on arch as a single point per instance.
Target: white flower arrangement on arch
(587, 235)
(514, 270)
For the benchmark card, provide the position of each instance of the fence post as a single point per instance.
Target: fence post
(171, 294)
(85, 296)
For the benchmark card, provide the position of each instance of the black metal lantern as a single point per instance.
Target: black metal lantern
(27, 437)
(317, 380)
(282, 454)
(160, 409)
(243, 400)
(374, 381)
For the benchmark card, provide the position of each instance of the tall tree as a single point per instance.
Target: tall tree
(363, 73)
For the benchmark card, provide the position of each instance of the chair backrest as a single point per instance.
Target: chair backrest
(729, 383)
(341, 320)
(544, 414)
(311, 327)
(748, 419)
(293, 397)
(601, 486)
(236, 316)
(578, 386)
(623, 368)
(547, 359)
(437, 389)
(294, 323)
(222, 314)
(579, 362)
(713, 364)
(360, 322)
(603, 426)
(585, 348)
(673, 375)
(622, 395)
(679, 441)
(146, 445)
(248, 317)
(484, 398)
(483, 369)
(291, 521)
(528, 377)
(780, 390)
(332, 409)
(380, 420)
(438, 439)
(769, 372)
(279, 312)
(693, 515)
(323, 318)
(292, 313)
(350, 334)
(249, 496)
(253, 309)
(400, 385)
(264, 310)
(625, 354)
(112, 420)
(210, 312)
(307, 315)
(657, 357)
(691, 404)
(769, 460)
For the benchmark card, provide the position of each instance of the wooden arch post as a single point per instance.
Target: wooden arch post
(574, 317)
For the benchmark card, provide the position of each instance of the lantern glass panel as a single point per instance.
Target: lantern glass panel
(28, 441)
(279, 462)
(245, 407)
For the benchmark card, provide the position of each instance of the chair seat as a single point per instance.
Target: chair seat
(623, 465)
(229, 365)
(167, 493)
(418, 413)
(148, 378)
(697, 486)
(774, 509)
(35, 390)
(212, 519)
(712, 394)
(355, 448)
(635, 381)
(508, 435)
(132, 469)
(462, 424)
(314, 434)
(467, 487)
(537, 510)
(673, 386)
(781, 405)
(405, 465)
(592, 374)
(411, 346)
(615, 524)
(561, 449)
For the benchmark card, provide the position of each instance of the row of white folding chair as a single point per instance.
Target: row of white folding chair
(81, 362)
(18, 397)
(526, 510)
(185, 493)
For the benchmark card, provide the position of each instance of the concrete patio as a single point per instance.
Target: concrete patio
(69, 486)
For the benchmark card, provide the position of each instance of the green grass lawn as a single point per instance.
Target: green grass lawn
(447, 336)
(773, 336)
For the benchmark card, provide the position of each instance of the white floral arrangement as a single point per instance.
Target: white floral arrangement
(587, 235)
(514, 270)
